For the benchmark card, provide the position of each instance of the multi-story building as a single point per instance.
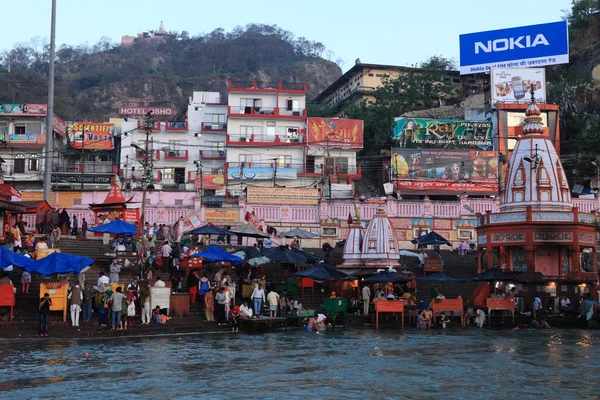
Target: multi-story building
(184, 154)
(266, 135)
(22, 141)
(359, 81)
(159, 34)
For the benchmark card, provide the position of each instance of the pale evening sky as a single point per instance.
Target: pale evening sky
(395, 32)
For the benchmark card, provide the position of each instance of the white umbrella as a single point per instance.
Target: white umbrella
(411, 254)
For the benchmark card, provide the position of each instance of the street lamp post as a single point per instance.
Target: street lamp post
(595, 164)
(201, 173)
(146, 175)
(274, 172)
(49, 150)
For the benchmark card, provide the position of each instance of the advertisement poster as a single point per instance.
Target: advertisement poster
(131, 215)
(209, 181)
(218, 216)
(34, 110)
(91, 135)
(23, 138)
(424, 132)
(513, 85)
(279, 196)
(443, 171)
(262, 173)
(335, 132)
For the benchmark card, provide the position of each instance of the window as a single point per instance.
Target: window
(20, 129)
(310, 164)
(245, 158)
(168, 173)
(33, 162)
(271, 128)
(284, 161)
(19, 164)
(217, 149)
(337, 165)
(246, 131)
(178, 202)
(3, 132)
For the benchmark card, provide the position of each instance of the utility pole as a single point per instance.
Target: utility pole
(147, 176)
(200, 172)
(275, 172)
(327, 168)
(49, 150)
(82, 154)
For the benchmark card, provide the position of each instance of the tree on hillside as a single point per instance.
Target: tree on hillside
(580, 16)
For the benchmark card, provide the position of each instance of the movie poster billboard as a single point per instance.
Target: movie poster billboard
(91, 135)
(336, 132)
(33, 110)
(428, 171)
(425, 132)
(513, 85)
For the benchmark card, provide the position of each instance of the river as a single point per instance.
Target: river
(352, 363)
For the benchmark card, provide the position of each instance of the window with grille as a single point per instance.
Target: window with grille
(33, 162)
(178, 202)
(19, 164)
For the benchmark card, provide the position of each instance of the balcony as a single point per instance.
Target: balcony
(208, 127)
(266, 112)
(350, 172)
(212, 154)
(181, 155)
(140, 154)
(176, 126)
(262, 139)
(154, 125)
(266, 87)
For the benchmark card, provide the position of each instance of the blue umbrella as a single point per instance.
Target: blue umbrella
(431, 238)
(440, 277)
(283, 255)
(309, 256)
(493, 274)
(384, 277)
(208, 229)
(116, 227)
(323, 272)
(217, 254)
(8, 257)
(59, 263)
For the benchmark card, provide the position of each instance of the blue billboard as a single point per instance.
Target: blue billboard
(525, 46)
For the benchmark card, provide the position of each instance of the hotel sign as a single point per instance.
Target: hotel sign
(77, 178)
(141, 111)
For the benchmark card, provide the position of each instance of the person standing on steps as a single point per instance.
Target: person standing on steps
(84, 227)
(366, 298)
(115, 269)
(258, 296)
(76, 297)
(45, 304)
(88, 296)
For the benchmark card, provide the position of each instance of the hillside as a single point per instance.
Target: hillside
(91, 82)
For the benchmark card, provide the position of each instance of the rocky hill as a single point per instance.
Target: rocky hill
(91, 82)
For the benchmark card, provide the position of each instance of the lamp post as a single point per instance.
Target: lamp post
(146, 175)
(201, 173)
(595, 164)
(274, 172)
(49, 150)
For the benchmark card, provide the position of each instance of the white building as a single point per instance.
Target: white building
(180, 151)
(266, 135)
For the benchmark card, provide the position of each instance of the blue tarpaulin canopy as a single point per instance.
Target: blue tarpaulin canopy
(493, 274)
(440, 277)
(323, 272)
(59, 263)
(116, 227)
(431, 239)
(217, 254)
(284, 255)
(384, 277)
(9, 257)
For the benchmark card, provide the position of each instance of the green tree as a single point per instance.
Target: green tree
(581, 16)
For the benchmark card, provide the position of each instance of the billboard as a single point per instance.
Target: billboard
(141, 111)
(34, 110)
(29, 138)
(262, 173)
(59, 126)
(209, 181)
(91, 135)
(444, 171)
(279, 196)
(525, 46)
(335, 132)
(218, 215)
(512, 85)
(440, 132)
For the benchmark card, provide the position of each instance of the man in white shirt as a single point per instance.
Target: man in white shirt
(159, 283)
(166, 251)
(258, 295)
(115, 269)
(316, 323)
(103, 282)
(245, 311)
(273, 299)
(366, 298)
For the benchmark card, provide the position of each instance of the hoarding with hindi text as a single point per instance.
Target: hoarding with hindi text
(335, 132)
(425, 132)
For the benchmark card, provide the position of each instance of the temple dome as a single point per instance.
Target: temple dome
(380, 245)
(353, 246)
(535, 176)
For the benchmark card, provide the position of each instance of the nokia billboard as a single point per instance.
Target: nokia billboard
(526, 46)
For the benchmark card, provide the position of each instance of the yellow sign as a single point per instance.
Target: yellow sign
(65, 199)
(216, 216)
(281, 196)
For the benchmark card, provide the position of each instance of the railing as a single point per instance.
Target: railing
(90, 167)
(258, 137)
(176, 125)
(261, 112)
(209, 126)
(212, 154)
(266, 86)
(175, 154)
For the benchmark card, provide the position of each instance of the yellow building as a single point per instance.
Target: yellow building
(360, 80)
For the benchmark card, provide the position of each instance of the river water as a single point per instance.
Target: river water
(356, 363)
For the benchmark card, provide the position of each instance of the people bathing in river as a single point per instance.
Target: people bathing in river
(234, 316)
(316, 323)
(159, 317)
(480, 318)
(444, 320)
(45, 304)
(209, 306)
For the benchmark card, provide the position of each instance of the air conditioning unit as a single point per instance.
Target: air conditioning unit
(243, 139)
(181, 186)
(296, 113)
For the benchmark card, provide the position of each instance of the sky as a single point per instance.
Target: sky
(393, 32)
